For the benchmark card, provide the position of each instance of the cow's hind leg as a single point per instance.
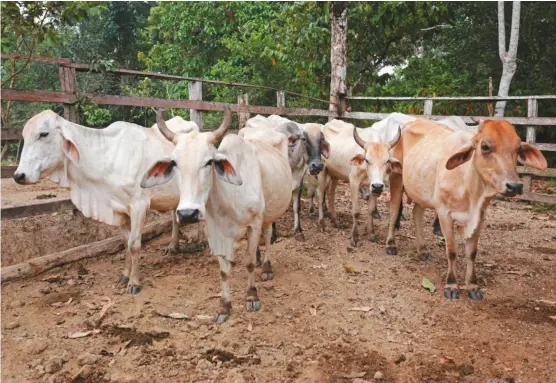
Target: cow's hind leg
(331, 203)
(418, 218)
(296, 197)
(473, 290)
(124, 278)
(355, 212)
(138, 215)
(451, 289)
(436, 227)
(252, 300)
(267, 273)
(400, 215)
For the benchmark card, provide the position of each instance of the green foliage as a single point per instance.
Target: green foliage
(95, 116)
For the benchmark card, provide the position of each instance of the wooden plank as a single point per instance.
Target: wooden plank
(37, 96)
(54, 60)
(196, 93)
(242, 101)
(12, 134)
(537, 197)
(68, 84)
(548, 173)
(531, 137)
(8, 171)
(111, 245)
(36, 209)
(455, 98)
(427, 111)
(280, 99)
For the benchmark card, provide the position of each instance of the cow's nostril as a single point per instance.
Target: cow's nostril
(514, 188)
(19, 177)
(377, 188)
(188, 215)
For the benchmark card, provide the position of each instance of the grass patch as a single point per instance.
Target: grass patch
(544, 208)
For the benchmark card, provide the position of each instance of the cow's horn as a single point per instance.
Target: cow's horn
(166, 132)
(223, 128)
(358, 139)
(395, 140)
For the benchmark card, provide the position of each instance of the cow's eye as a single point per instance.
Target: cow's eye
(43, 134)
(209, 162)
(367, 161)
(485, 148)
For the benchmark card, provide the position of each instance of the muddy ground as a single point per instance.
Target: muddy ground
(306, 331)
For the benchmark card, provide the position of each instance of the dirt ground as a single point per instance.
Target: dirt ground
(306, 330)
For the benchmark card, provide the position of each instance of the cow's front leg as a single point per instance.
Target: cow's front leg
(296, 197)
(473, 290)
(370, 222)
(311, 190)
(331, 203)
(320, 197)
(124, 278)
(396, 189)
(253, 302)
(400, 215)
(418, 219)
(354, 191)
(172, 247)
(225, 299)
(138, 215)
(451, 289)
(267, 273)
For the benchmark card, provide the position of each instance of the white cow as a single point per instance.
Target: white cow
(306, 146)
(103, 169)
(360, 157)
(244, 185)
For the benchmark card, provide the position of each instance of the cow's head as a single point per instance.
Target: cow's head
(48, 140)
(495, 150)
(316, 147)
(194, 160)
(377, 160)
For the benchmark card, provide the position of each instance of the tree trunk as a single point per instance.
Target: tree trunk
(338, 55)
(508, 58)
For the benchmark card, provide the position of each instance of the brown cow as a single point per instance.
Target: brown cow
(457, 174)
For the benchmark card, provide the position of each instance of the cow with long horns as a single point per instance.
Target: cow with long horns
(362, 158)
(242, 186)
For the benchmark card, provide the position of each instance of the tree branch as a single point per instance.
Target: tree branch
(435, 27)
(514, 36)
(501, 31)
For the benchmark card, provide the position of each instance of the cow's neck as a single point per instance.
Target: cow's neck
(480, 194)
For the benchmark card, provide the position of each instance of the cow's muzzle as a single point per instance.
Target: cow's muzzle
(377, 189)
(188, 215)
(19, 178)
(513, 189)
(315, 169)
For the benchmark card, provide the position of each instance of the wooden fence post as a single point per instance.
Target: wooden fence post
(531, 137)
(196, 93)
(68, 84)
(242, 100)
(428, 108)
(280, 99)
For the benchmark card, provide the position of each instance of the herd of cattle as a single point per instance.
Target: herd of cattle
(242, 185)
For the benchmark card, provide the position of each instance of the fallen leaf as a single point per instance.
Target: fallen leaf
(543, 217)
(250, 327)
(365, 309)
(204, 317)
(112, 350)
(546, 302)
(446, 360)
(173, 315)
(53, 279)
(313, 310)
(69, 301)
(529, 207)
(79, 334)
(349, 269)
(428, 285)
(105, 308)
(57, 304)
(215, 296)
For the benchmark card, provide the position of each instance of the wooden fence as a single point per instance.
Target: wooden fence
(68, 96)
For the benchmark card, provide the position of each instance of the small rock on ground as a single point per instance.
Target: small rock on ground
(379, 375)
(53, 365)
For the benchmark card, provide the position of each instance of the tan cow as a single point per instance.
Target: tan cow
(242, 186)
(457, 174)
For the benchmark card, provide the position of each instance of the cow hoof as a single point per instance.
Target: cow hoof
(123, 280)
(373, 238)
(220, 318)
(253, 305)
(424, 257)
(475, 294)
(171, 250)
(267, 275)
(451, 293)
(391, 250)
(299, 236)
(133, 289)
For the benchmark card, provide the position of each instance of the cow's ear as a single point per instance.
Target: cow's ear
(463, 155)
(292, 139)
(529, 155)
(396, 165)
(158, 174)
(325, 149)
(225, 170)
(357, 160)
(70, 150)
